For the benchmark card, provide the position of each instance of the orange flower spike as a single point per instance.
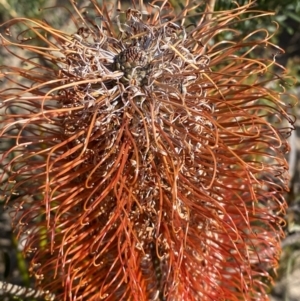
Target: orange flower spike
(138, 153)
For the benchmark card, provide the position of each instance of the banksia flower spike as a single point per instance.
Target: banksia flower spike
(143, 164)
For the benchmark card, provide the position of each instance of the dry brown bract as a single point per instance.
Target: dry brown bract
(143, 159)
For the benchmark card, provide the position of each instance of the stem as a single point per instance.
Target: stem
(210, 8)
(24, 292)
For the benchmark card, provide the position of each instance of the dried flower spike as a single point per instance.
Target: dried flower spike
(142, 155)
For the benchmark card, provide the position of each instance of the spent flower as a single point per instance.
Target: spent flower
(139, 157)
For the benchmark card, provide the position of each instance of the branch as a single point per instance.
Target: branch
(291, 240)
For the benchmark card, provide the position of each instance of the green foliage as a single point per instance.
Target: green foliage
(284, 10)
(19, 8)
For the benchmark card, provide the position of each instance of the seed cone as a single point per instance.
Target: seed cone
(144, 163)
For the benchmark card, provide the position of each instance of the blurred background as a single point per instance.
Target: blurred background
(13, 267)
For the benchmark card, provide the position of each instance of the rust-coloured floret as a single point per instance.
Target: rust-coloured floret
(143, 160)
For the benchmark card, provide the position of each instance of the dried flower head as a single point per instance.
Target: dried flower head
(143, 159)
